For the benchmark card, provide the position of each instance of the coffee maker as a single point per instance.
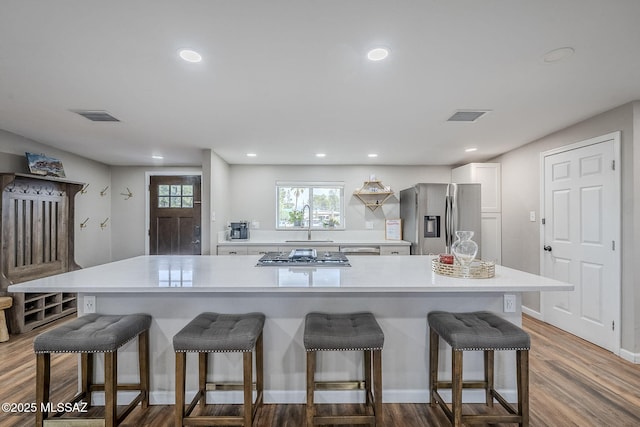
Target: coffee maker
(239, 230)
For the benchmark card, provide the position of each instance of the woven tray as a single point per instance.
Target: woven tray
(477, 270)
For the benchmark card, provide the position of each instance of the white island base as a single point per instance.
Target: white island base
(399, 290)
(403, 319)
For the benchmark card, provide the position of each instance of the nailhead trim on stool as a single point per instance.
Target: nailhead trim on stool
(345, 332)
(90, 334)
(478, 331)
(219, 333)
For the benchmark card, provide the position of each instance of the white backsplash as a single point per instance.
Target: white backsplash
(282, 235)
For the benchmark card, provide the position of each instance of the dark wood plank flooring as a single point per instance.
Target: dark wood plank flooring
(573, 383)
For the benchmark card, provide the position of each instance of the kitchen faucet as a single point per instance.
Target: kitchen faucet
(309, 226)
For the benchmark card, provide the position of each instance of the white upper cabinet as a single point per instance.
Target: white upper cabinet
(488, 175)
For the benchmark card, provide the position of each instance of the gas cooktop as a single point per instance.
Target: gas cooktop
(304, 257)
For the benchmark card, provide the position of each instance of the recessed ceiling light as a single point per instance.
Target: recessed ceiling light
(372, 155)
(252, 155)
(321, 155)
(559, 54)
(190, 55)
(471, 150)
(378, 54)
(157, 157)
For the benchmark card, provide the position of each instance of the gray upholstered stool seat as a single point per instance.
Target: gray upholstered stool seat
(478, 331)
(345, 332)
(87, 335)
(215, 333)
(92, 333)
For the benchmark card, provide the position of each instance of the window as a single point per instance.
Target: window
(325, 201)
(175, 196)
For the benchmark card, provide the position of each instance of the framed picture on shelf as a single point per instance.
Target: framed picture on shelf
(393, 229)
(39, 164)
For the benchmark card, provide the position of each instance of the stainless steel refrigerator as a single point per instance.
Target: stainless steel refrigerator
(432, 213)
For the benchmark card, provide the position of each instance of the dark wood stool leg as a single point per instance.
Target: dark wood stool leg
(43, 382)
(377, 386)
(143, 364)
(434, 341)
(203, 368)
(311, 369)
(456, 387)
(488, 376)
(181, 371)
(367, 377)
(247, 363)
(259, 371)
(86, 370)
(110, 389)
(523, 385)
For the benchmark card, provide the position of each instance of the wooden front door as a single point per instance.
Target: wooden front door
(175, 215)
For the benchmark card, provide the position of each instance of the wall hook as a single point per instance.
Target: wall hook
(103, 192)
(83, 224)
(84, 189)
(128, 194)
(103, 224)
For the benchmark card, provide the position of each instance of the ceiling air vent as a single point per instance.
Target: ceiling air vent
(467, 116)
(96, 115)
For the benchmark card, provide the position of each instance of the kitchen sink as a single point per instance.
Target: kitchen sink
(308, 241)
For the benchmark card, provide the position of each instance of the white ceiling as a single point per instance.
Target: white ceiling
(289, 78)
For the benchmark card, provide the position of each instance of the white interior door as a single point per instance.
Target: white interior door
(581, 205)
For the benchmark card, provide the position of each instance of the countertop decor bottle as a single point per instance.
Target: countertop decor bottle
(464, 250)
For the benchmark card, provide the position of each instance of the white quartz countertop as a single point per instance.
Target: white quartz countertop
(239, 274)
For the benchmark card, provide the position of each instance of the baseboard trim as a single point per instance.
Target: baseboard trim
(299, 396)
(629, 356)
(531, 312)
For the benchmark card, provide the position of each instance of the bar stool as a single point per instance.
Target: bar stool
(5, 302)
(345, 332)
(220, 333)
(87, 335)
(478, 331)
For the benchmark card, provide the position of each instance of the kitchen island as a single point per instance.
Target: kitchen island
(399, 290)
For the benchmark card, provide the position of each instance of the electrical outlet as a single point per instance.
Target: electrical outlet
(509, 303)
(89, 304)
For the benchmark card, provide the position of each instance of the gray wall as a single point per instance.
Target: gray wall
(92, 243)
(253, 195)
(521, 194)
(129, 216)
(219, 207)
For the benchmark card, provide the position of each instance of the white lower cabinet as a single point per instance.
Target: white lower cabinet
(394, 250)
(232, 250)
(320, 249)
(261, 250)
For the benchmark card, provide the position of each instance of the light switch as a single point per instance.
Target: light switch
(369, 225)
(532, 216)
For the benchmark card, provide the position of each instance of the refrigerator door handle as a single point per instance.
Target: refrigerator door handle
(447, 223)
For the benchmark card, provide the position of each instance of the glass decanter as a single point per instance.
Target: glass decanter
(464, 250)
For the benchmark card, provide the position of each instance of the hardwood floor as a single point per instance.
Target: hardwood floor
(573, 383)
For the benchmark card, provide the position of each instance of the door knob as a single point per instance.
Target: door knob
(195, 242)
(547, 248)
